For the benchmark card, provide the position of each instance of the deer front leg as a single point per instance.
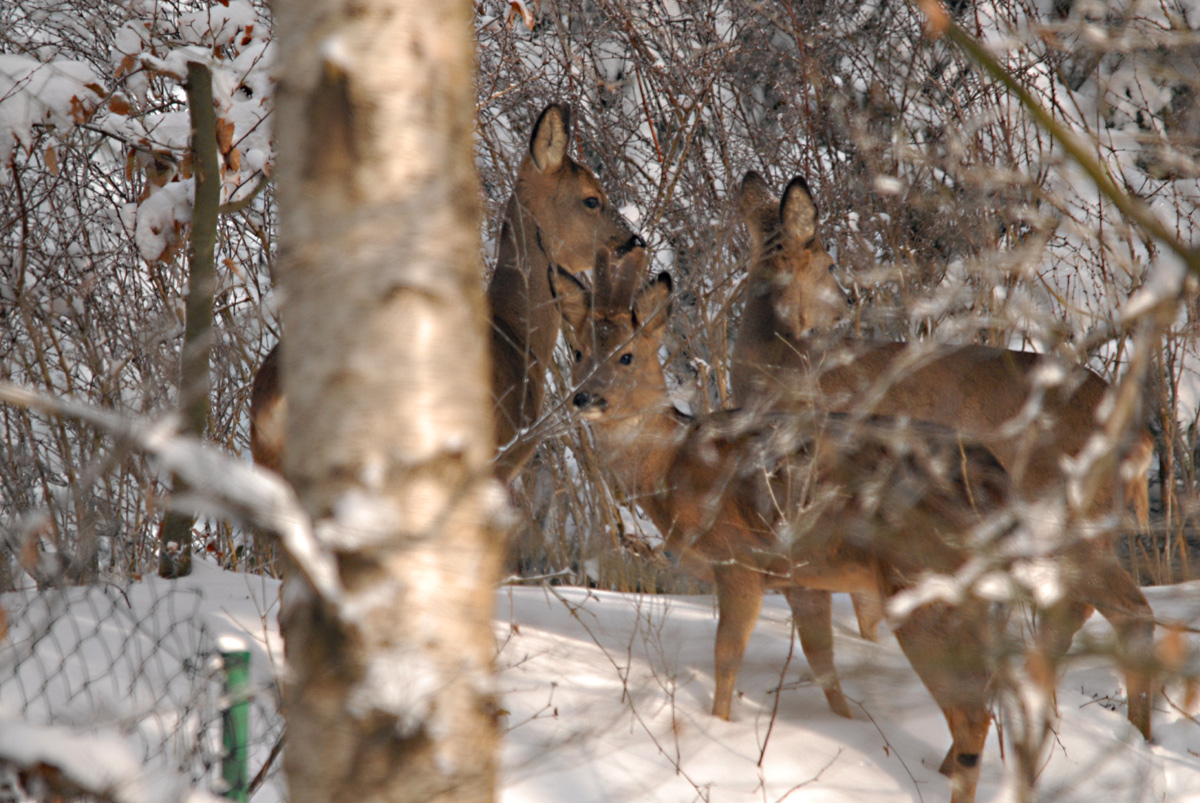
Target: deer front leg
(868, 609)
(948, 648)
(739, 601)
(969, 727)
(812, 612)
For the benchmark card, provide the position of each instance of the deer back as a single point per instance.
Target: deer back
(745, 486)
(973, 388)
(1033, 412)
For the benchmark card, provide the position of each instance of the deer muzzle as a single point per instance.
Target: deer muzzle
(635, 241)
(589, 405)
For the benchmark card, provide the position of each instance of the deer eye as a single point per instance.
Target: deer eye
(591, 203)
(578, 355)
(626, 359)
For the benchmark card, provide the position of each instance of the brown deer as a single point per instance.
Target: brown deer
(1004, 399)
(558, 215)
(806, 504)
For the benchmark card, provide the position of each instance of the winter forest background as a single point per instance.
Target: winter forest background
(951, 214)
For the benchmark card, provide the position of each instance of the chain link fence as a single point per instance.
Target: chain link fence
(130, 678)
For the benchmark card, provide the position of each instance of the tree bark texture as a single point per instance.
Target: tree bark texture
(175, 535)
(389, 692)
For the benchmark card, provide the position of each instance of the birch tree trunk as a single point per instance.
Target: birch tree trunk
(389, 691)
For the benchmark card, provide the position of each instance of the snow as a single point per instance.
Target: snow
(1162, 288)
(360, 520)
(401, 681)
(95, 762)
(221, 24)
(157, 218)
(607, 697)
(61, 93)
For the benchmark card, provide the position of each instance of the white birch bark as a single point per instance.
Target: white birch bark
(389, 693)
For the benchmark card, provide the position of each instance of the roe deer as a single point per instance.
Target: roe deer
(1000, 397)
(268, 414)
(806, 504)
(557, 215)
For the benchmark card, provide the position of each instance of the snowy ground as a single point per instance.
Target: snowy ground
(607, 699)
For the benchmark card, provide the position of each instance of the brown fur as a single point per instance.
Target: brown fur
(806, 504)
(268, 414)
(558, 215)
(784, 355)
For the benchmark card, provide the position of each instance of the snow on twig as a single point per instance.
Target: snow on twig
(238, 490)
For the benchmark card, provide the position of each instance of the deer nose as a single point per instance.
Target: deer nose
(586, 401)
(633, 242)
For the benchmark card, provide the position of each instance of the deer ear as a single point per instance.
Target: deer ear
(572, 296)
(758, 207)
(551, 134)
(652, 305)
(798, 212)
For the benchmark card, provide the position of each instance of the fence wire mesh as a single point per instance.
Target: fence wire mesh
(130, 673)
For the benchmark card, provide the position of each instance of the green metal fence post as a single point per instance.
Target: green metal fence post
(235, 719)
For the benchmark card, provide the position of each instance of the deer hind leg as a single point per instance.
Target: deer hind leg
(868, 609)
(1119, 599)
(813, 614)
(948, 650)
(739, 601)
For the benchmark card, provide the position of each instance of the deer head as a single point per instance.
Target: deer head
(790, 268)
(615, 333)
(570, 213)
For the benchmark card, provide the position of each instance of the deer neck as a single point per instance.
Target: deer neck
(765, 342)
(519, 296)
(640, 451)
(772, 298)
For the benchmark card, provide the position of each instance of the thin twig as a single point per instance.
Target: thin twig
(241, 203)
(1079, 151)
(890, 748)
(816, 777)
(261, 776)
(775, 708)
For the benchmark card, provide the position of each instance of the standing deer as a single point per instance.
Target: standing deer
(785, 353)
(558, 215)
(806, 504)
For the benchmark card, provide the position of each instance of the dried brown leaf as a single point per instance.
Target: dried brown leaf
(518, 9)
(81, 110)
(125, 66)
(119, 104)
(224, 135)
